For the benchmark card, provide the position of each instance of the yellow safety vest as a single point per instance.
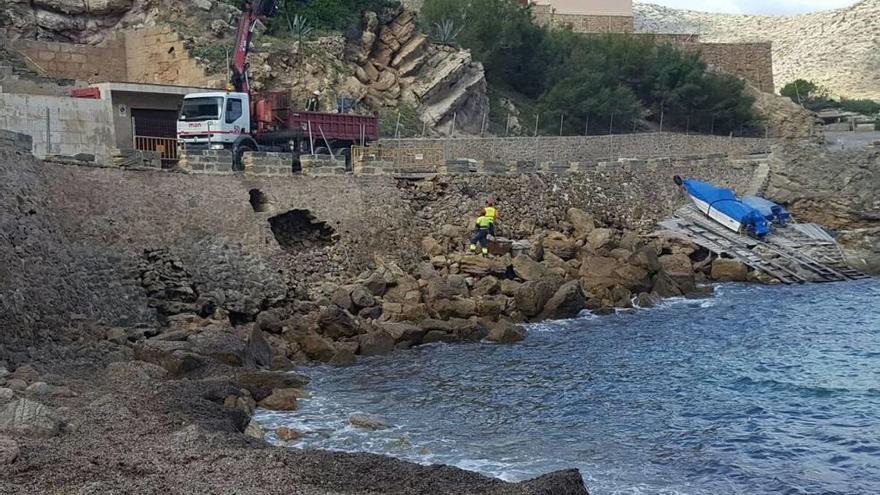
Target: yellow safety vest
(490, 212)
(484, 222)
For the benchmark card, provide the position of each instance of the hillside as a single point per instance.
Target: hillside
(836, 48)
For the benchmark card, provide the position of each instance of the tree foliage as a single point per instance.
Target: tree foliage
(864, 107)
(609, 82)
(808, 94)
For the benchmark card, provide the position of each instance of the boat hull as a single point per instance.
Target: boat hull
(717, 215)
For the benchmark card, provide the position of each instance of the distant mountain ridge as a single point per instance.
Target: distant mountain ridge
(839, 49)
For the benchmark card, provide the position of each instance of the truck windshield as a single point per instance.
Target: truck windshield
(204, 108)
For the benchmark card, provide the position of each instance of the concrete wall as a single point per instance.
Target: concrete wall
(59, 125)
(592, 149)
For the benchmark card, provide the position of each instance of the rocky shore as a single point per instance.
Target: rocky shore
(139, 335)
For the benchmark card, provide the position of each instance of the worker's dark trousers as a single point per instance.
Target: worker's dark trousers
(481, 237)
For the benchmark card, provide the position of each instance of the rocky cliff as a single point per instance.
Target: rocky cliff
(836, 48)
(836, 189)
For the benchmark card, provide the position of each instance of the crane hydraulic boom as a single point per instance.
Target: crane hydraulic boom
(251, 12)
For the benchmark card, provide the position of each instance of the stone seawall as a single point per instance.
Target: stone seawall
(244, 227)
(587, 149)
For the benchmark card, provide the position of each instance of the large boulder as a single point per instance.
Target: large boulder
(376, 284)
(257, 351)
(176, 357)
(376, 343)
(27, 416)
(560, 245)
(567, 302)
(281, 399)
(600, 272)
(729, 270)
(531, 296)
(509, 287)
(253, 380)
(220, 344)
(481, 266)
(405, 288)
(679, 270)
(505, 332)
(362, 297)
(367, 422)
(528, 269)
(431, 247)
(486, 286)
(315, 347)
(446, 287)
(601, 239)
(403, 333)
(582, 222)
(336, 323)
(453, 308)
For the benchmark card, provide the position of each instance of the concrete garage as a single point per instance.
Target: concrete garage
(144, 116)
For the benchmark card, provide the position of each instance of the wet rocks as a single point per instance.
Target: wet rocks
(281, 399)
(531, 296)
(286, 434)
(728, 270)
(505, 332)
(367, 422)
(376, 343)
(567, 302)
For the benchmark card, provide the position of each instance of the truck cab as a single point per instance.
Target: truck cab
(213, 120)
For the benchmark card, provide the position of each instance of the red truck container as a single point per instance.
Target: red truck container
(275, 119)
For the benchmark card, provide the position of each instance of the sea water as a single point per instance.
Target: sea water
(757, 389)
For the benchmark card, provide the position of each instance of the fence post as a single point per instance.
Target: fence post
(537, 116)
(48, 132)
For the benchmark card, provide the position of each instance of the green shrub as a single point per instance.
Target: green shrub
(335, 15)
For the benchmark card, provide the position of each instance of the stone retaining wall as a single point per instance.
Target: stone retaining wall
(587, 149)
(322, 165)
(148, 55)
(267, 163)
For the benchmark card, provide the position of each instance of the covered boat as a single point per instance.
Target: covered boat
(724, 207)
(771, 211)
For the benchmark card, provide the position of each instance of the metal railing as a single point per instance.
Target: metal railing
(410, 159)
(165, 147)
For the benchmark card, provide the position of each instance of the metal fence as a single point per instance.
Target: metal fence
(166, 147)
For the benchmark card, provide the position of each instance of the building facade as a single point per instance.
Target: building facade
(585, 16)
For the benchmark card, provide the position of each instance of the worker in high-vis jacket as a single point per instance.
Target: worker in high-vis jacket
(481, 234)
(490, 211)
